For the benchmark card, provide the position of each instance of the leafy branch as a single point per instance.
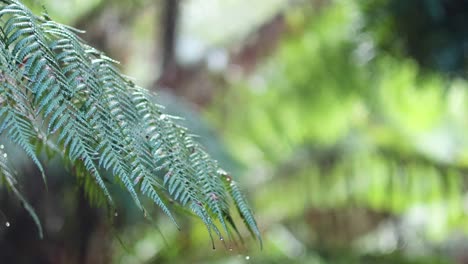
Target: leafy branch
(58, 91)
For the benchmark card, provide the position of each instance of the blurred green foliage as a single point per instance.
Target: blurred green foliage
(332, 124)
(342, 142)
(350, 149)
(63, 11)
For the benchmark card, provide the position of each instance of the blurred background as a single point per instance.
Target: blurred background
(346, 123)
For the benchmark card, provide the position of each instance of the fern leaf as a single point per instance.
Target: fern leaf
(241, 205)
(59, 90)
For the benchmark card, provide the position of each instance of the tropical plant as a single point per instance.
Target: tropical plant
(60, 96)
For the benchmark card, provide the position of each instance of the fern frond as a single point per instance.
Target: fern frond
(58, 90)
(16, 114)
(241, 205)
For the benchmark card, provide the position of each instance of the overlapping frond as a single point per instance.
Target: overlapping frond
(382, 180)
(57, 90)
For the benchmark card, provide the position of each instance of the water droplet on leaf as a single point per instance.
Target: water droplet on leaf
(247, 257)
(7, 224)
(221, 172)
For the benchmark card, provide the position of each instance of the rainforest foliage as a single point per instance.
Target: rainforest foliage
(345, 121)
(62, 96)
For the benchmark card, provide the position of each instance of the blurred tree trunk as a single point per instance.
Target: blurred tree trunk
(169, 23)
(168, 28)
(195, 82)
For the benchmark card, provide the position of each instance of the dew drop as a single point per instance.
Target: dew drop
(2, 147)
(222, 239)
(116, 214)
(221, 172)
(247, 257)
(7, 224)
(5, 155)
(137, 180)
(230, 249)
